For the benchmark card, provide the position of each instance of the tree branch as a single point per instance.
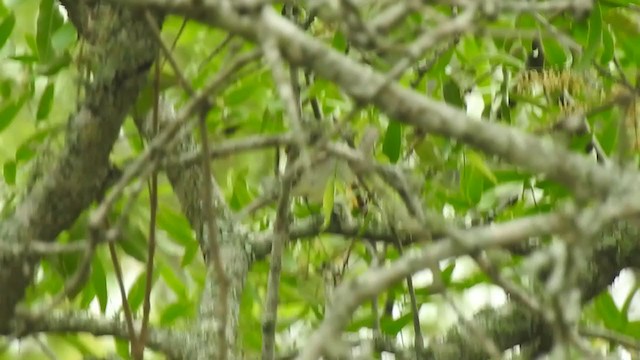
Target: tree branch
(76, 176)
(165, 341)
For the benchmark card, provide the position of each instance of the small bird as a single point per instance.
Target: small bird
(535, 61)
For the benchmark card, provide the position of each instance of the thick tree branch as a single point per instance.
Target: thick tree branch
(164, 341)
(76, 176)
(186, 181)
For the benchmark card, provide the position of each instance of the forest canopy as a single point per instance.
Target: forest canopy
(313, 179)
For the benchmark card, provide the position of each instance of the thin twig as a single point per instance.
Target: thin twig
(281, 236)
(217, 50)
(460, 24)
(290, 97)
(287, 95)
(128, 315)
(611, 336)
(138, 351)
(375, 262)
(418, 342)
(45, 348)
(232, 147)
(213, 238)
(168, 55)
(557, 34)
(42, 248)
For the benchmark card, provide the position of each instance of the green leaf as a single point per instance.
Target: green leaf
(190, 252)
(46, 101)
(452, 94)
(594, 38)
(472, 182)
(174, 282)
(608, 130)
(99, 282)
(87, 295)
(392, 141)
(137, 291)
(526, 21)
(6, 27)
(180, 309)
(54, 64)
(176, 226)
(328, 201)
(607, 46)
(249, 89)
(25, 59)
(49, 20)
(555, 54)
(442, 62)
(447, 273)
(27, 150)
(339, 42)
(237, 181)
(477, 162)
(122, 348)
(6, 87)
(134, 244)
(632, 329)
(393, 327)
(9, 172)
(63, 37)
(9, 112)
(79, 345)
(608, 312)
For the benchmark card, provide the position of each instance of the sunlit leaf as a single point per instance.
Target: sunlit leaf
(54, 64)
(9, 172)
(190, 252)
(175, 311)
(173, 281)
(555, 54)
(9, 111)
(6, 27)
(452, 94)
(394, 326)
(99, 282)
(479, 164)
(134, 244)
(594, 41)
(135, 296)
(609, 313)
(339, 41)
(392, 141)
(46, 102)
(64, 37)
(49, 20)
(607, 46)
(122, 348)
